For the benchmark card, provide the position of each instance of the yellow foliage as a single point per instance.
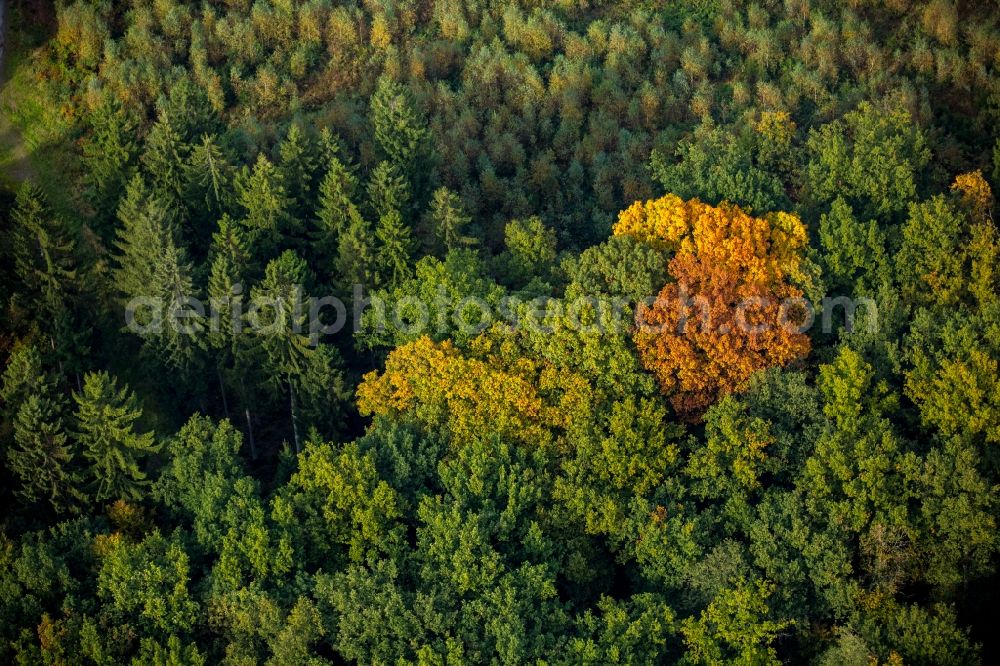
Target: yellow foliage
(974, 193)
(381, 35)
(769, 249)
(442, 387)
(659, 223)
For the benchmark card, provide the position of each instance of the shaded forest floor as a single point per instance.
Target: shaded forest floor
(35, 138)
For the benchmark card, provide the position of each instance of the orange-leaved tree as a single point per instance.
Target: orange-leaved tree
(733, 308)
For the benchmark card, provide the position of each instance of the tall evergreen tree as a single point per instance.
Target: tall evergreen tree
(106, 419)
(153, 273)
(23, 376)
(109, 159)
(394, 250)
(387, 191)
(229, 265)
(42, 457)
(43, 248)
(448, 220)
(356, 253)
(45, 263)
(261, 193)
(164, 158)
(336, 199)
(402, 134)
(209, 176)
(278, 316)
(146, 224)
(298, 165)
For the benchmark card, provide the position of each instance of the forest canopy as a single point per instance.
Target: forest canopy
(471, 332)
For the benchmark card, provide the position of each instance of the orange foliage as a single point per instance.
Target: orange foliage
(732, 310)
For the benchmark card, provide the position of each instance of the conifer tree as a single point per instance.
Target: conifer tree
(387, 191)
(42, 248)
(336, 199)
(229, 264)
(42, 457)
(45, 263)
(298, 163)
(23, 376)
(164, 157)
(261, 193)
(394, 250)
(356, 254)
(448, 220)
(109, 158)
(153, 272)
(209, 177)
(146, 223)
(106, 419)
(402, 134)
(278, 317)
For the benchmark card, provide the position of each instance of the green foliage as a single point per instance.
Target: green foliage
(448, 220)
(339, 507)
(524, 493)
(854, 255)
(714, 165)
(148, 581)
(261, 194)
(106, 419)
(42, 458)
(209, 176)
(444, 299)
(110, 156)
(531, 250)
(873, 157)
(395, 248)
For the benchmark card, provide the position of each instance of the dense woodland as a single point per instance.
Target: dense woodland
(531, 494)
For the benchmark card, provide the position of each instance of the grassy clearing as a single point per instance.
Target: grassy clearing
(35, 137)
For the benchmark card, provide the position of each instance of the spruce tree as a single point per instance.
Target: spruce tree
(42, 247)
(229, 267)
(45, 263)
(261, 193)
(164, 158)
(336, 199)
(153, 272)
(109, 160)
(146, 224)
(448, 220)
(387, 191)
(42, 457)
(106, 419)
(229, 264)
(209, 176)
(22, 377)
(402, 134)
(298, 164)
(280, 324)
(355, 260)
(394, 250)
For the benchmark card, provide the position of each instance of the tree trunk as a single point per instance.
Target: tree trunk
(253, 446)
(222, 389)
(295, 418)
